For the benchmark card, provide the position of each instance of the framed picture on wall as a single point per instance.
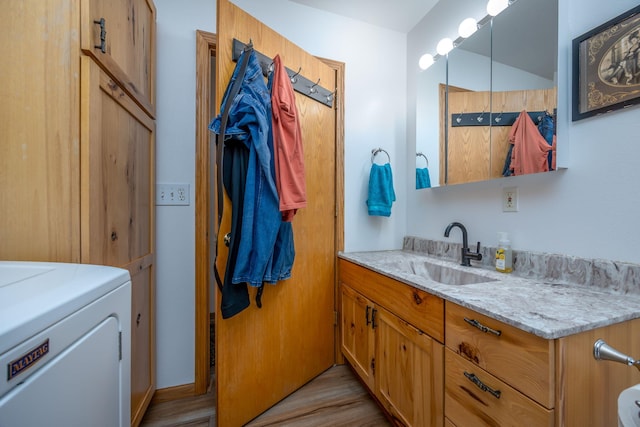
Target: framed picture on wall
(606, 66)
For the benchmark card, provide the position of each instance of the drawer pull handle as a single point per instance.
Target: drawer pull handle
(482, 386)
(486, 329)
(373, 318)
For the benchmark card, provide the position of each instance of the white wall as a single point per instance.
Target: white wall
(588, 210)
(175, 163)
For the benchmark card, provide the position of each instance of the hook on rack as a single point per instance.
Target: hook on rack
(313, 89)
(375, 152)
(294, 77)
(332, 95)
(425, 157)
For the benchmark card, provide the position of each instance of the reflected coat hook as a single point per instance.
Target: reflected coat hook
(313, 89)
(293, 78)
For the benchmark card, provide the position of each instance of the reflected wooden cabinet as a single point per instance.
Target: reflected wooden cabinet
(78, 152)
(401, 364)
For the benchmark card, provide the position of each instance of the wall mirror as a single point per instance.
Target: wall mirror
(483, 85)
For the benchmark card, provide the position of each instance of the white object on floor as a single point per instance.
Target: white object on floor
(65, 345)
(628, 409)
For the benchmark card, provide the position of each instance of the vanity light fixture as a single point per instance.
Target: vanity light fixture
(425, 61)
(494, 7)
(444, 46)
(467, 27)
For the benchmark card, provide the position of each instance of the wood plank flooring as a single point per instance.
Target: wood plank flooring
(334, 398)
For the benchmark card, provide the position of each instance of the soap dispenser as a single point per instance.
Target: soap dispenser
(504, 257)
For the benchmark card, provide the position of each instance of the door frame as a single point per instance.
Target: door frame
(206, 43)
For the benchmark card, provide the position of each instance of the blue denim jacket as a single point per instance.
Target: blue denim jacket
(250, 123)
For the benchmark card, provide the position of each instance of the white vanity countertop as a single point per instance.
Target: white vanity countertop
(548, 310)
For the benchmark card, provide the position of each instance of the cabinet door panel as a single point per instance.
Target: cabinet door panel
(128, 30)
(39, 118)
(409, 372)
(142, 344)
(357, 333)
(117, 173)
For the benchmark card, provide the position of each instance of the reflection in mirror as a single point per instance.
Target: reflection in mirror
(524, 60)
(430, 117)
(524, 80)
(466, 148)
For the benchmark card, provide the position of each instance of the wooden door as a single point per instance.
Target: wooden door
(117, 204)
(468, 158)
(262, 355)
(409, 379)
(357, 334)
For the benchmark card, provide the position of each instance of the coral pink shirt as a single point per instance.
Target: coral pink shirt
(530, 149)
(287, 144)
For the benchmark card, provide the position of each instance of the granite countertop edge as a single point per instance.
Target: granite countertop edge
(548, 310)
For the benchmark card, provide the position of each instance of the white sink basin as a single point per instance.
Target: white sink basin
(438, 272)
(628, 409)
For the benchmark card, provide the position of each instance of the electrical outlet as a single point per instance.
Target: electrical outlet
(172, 194)
(510, 199)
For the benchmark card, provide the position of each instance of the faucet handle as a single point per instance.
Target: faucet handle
(478, 254)
(478, 248)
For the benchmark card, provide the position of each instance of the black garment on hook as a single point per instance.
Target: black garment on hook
(235, 297)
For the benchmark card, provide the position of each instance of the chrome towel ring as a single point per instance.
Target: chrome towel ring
(375, 152)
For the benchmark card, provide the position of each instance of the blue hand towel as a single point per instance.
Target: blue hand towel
(422, 178)
(381, 193)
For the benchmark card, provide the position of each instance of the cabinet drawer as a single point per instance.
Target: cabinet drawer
(468, 404)
(522, 360)
(417, 307)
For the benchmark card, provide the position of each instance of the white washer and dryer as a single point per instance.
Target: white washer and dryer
(65, 345)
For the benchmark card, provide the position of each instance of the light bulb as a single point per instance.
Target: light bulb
(444, 46)
(494, 7)
(467, 27)
(425, 61)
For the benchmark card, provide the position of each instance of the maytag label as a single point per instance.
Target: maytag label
(24, 362)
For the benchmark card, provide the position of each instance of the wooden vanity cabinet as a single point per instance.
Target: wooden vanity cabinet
(400, 363)
(496, 374)
(78, 151)
(542, 382)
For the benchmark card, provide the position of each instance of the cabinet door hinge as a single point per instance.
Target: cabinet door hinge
(120, 345)
(373, 365)
(335, 318)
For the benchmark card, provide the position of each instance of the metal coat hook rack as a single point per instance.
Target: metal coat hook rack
(492, 119)
(299, 82)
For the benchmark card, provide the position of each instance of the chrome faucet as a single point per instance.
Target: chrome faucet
(467, 255)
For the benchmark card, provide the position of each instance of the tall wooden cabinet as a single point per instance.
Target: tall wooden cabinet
(77, 147)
